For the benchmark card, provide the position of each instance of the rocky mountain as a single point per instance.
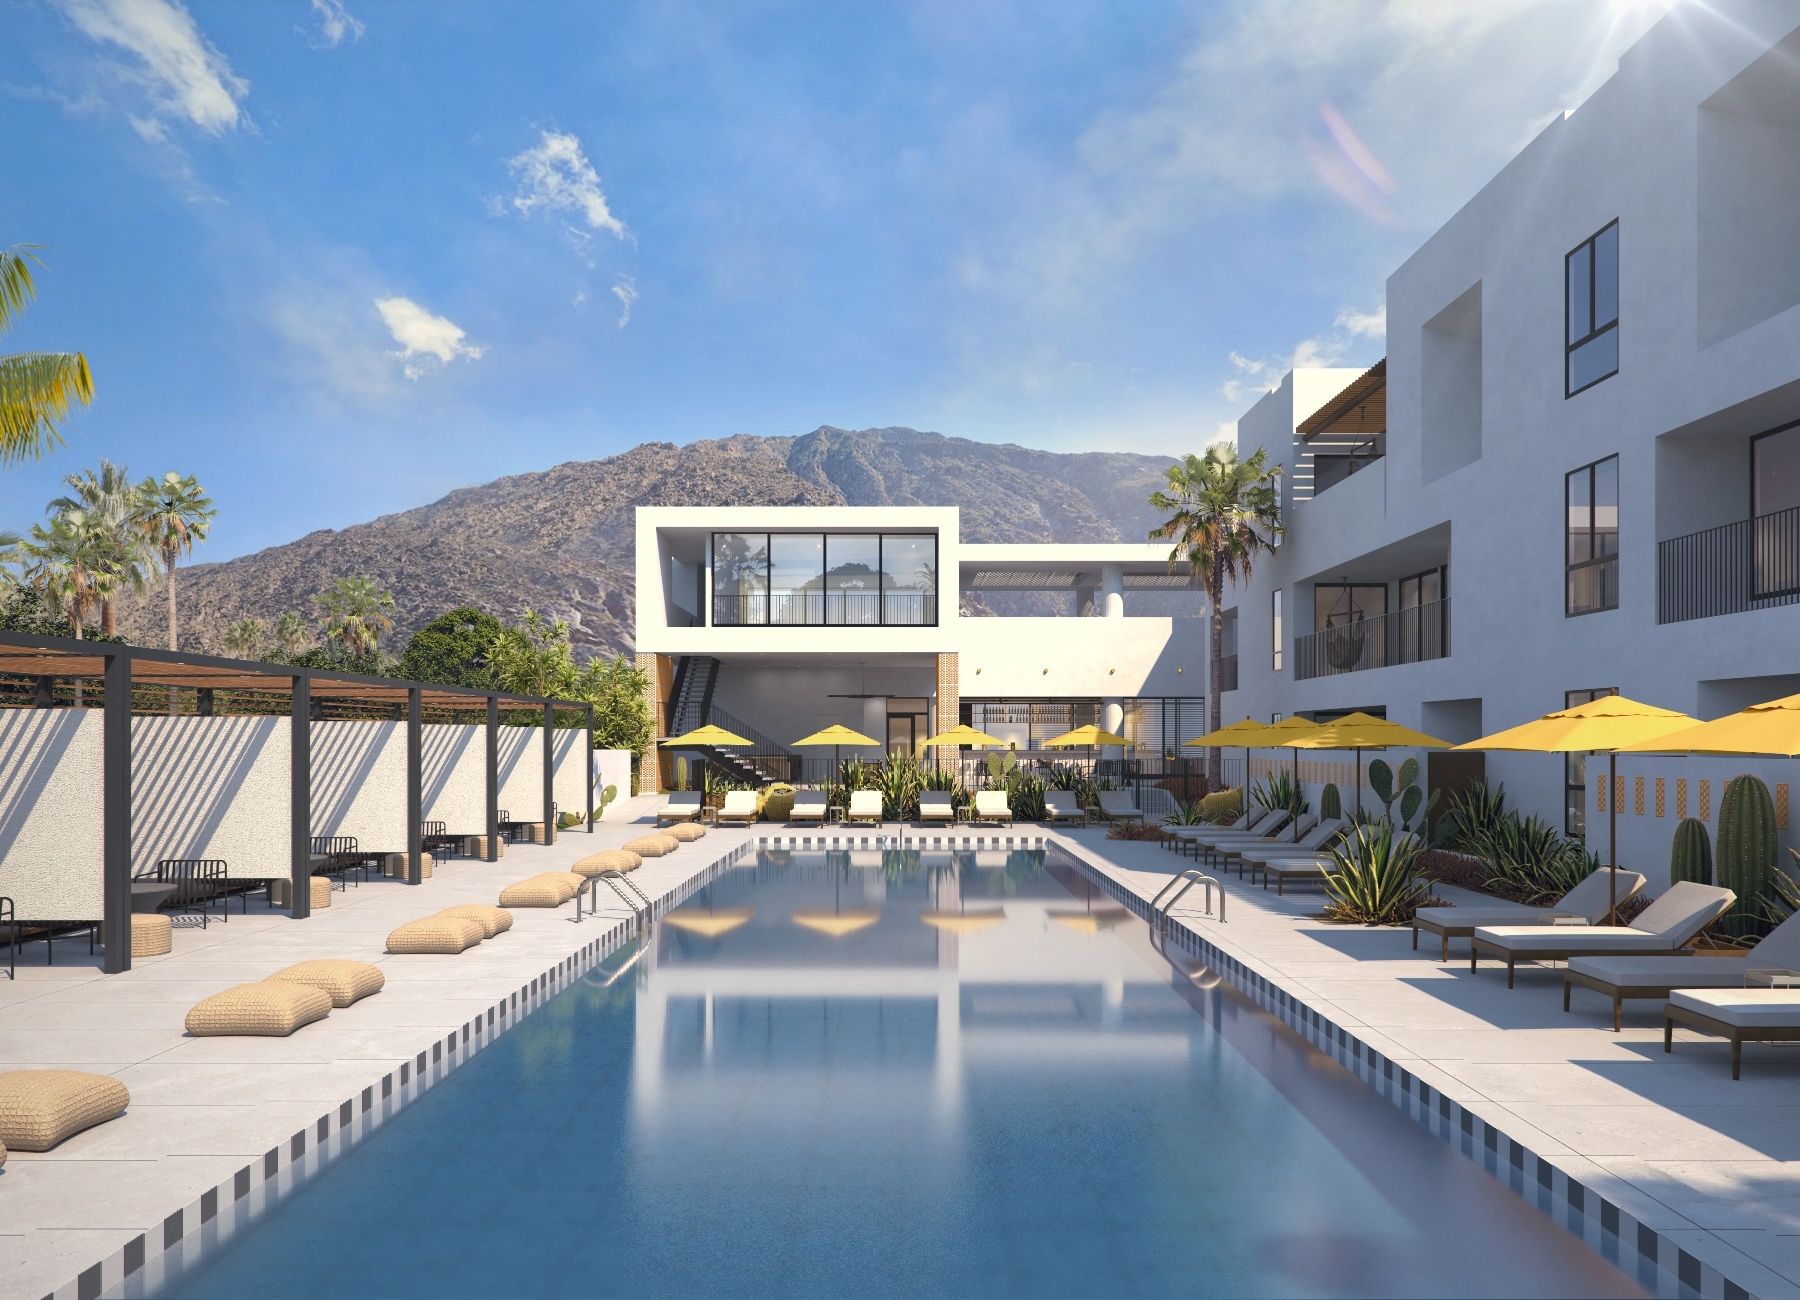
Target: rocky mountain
(561, 541)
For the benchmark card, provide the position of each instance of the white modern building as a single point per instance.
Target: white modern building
(777, 622)
(1578, 468)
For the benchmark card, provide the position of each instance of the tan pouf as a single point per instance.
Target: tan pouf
(609, 860)
(532, 893)
(394, 866)
(342, 981)
(492, 920)
(443, 936)
(265, 1010)
(651, 846)
(39, 1108)
(282, 891)
(152, 934)
(570, 882)
(686, 832)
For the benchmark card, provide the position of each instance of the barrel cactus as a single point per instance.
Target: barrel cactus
(1746, 851)
(681, 774)
(1691, 856)
(1331, 805)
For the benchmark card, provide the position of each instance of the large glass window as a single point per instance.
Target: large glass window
(1775, 472)
(1275, 632)
(1422, 616)
(833, 579)
(1591, 290)
(1591, 497)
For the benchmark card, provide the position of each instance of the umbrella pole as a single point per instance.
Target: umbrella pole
(1359, 786)
(1612, 837)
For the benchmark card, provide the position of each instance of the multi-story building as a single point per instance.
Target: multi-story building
(777, 622)
(1578, 468)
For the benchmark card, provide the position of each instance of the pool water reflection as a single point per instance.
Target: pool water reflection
(869, 1073)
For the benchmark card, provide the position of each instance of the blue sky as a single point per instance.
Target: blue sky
(337, 258)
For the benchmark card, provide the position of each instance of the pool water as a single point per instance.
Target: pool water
(906, 1074)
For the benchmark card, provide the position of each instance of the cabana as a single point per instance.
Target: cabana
(53, 756)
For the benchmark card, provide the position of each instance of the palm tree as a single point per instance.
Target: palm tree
(356, 613)
(173, 513)
(1222, 514)
(292, 636)
(244, 638)
(111, 503)
(36, 388)
(69, 561)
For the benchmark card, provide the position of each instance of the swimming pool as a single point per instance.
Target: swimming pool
(900, 1073)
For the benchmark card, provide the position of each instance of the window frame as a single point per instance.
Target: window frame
(824, 536)
(1571, 344)
(1593, 561)
(1276, 627)
(1577, 761)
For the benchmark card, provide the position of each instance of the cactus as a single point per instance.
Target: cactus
(1381, 782)
(1409, 772)
(1331, 805)
(1746, 851)
(1690, 858)
(1388, 788)
(681, 774)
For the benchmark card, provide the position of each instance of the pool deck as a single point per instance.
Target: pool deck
(1711, 1165)
(205, 1109)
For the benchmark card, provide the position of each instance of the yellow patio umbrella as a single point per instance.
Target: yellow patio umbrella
(1360, 731)
(837, 736)
(707, 735)
(962, 734)
(1238, 733)
(1283, 735)
(1089, 735)
(1607, 724)
(709, 924)
(1772, 728)
(962, 922)
(838, 924)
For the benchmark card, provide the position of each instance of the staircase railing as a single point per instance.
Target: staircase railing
(769, 757)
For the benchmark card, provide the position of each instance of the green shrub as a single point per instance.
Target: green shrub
(1372, 880)
(900, 777)
(1331, 804)
(1223, 806)
(1747, 852)
(1187, 813)
(1690, 856)
(1473, 814)
(1529, 861)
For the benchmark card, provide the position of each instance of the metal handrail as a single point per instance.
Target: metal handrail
(1159, 915)
(615, 879)
(614, 977)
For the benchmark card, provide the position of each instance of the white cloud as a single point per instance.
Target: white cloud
(626, 292)
(555, 175)
(336, 22)
(422, 335)
(182, 74)
(1263, 374)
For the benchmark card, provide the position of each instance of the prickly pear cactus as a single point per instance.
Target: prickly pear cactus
(1331, 804)
(1410, 799)
(1409, 772)
(1746, 851)
(1690, 857)
(1381, 781)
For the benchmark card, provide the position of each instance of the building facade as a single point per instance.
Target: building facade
(1578, 468)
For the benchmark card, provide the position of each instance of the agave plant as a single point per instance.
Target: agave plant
(1529, 860)
(1278, 792)
(1187, 813)
(900, 777)
(1372, 881)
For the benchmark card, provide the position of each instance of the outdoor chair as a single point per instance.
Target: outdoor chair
(682, 806)
(1658, 977)
(1063, 806)
(1264, 826)
(199, 883)
(337, 856)
(435, 839)
(865, 807)
(809, 806)
(739, 808)
(1272, 830)
(991, 806)
(936, 806)
(1315, 843)
(1666, 927)
(1757, 1015)
(1586, 902)
(1183, 838)
(1118, 806)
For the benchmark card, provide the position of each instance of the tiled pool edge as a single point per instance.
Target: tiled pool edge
(1659, 1263)
(145, 1262)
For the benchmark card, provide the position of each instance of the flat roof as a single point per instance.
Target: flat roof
(1062, 566)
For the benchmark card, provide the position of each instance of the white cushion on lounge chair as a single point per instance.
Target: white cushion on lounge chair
(1667, 924)
(1744, 1008)
(936, 805)
(680, 804)
(1063, 803)
(740, 806)
(1669, 972)
(1306, 848)
(1589, 898)
(1586, 901)
(1118, 803)
(865, 806)
(992, 803)
(809, 806)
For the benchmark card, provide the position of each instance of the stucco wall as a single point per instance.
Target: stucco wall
(612, 767)
(359, 783)
(212, 788)
(51, 845)
(521, 751)
(454, 777)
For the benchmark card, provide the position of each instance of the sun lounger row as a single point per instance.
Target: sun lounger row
(866, 808)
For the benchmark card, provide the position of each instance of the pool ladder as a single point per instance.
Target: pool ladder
(1160, 911)
(619, 884)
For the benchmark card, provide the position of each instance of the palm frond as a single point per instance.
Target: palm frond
(16, 285)
(36, 391)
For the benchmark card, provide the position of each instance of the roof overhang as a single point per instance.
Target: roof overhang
(1361, 408)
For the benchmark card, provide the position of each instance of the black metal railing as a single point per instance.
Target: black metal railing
(1752, 564)
(1228, 673)
(771, 759)
(826, 609)
(1405, 636)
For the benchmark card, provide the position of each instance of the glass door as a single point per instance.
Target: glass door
(902, 732)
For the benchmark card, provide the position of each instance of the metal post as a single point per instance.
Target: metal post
(493, 778)
(1612, 838)
(590, 768)
(300, 798)
(115, 769)
(415, 782)
(549, 774)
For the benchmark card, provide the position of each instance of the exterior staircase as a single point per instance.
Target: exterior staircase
(691, 707)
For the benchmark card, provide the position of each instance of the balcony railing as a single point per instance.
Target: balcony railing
(1752, 564)
(1404, 637)
(826, 609)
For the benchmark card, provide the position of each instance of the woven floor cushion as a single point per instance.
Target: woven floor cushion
(393, 866)
(651, 846)
(535, 892)
(152, 934)
(39, 1108)
(266, 1010)
(282, 892)
(570, 882)
(442, 936)
(685, 832)
(609, 860)
(343, 981)
(492, 920)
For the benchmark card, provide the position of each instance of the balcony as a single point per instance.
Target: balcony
(1752, 564)
(1406, 636)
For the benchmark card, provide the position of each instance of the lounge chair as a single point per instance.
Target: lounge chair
(991, 806)
(1658, 977)
(809, 806)
(936, 806)
(1281, 835)
(1586, 902)
(865, 807)
(1063, 806)
(1285, 870)
(1753, 1015)
(1185, 837)
(683, 806)
(1313, 844)
(1666, 927)
(1264, 828)
(739, 808)
(1119, 806)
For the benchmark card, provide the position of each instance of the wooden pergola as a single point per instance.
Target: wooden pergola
(121, 668)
